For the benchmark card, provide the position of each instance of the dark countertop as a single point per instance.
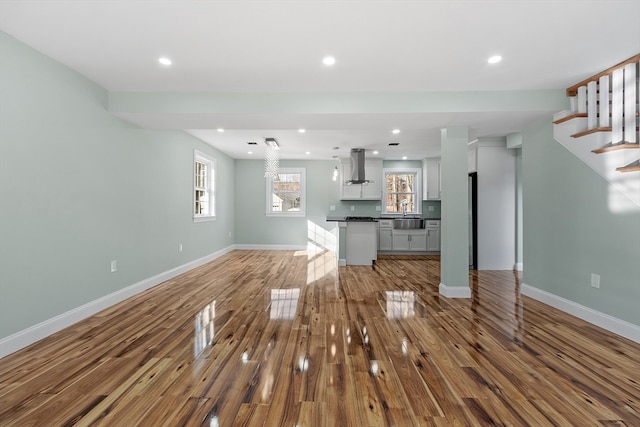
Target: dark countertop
(352, 218)
(366, 218)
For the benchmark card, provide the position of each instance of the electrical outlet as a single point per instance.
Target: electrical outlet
(595, 280)
(332, 207)
(353, 208)
(430, 208)
(378, 208)
(179, 247)
(114, 266)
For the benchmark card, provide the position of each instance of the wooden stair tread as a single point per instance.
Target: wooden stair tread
(590, 131)
(579, 115)
(595, 130)
(631, 167)
(569, 117)
(615, 147)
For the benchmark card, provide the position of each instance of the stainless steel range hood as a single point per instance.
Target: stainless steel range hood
(357, 167)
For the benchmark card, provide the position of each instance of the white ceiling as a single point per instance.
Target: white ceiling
(257, 47)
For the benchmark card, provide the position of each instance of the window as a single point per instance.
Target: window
(401, 192)
(203, 187)
(286, 193)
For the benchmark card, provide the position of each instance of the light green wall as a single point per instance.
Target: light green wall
(253, 227)
(571, 231)
(79, 188)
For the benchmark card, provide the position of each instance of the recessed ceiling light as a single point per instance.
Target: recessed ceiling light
(220, 130)
(404, 157)
(375, 152)
(301, 130)
(395, 131)
(307, 152)
(164, 61)
(494, 59)
(249, 152)
(328, 60)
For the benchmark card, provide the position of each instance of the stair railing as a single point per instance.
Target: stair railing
(610, 102)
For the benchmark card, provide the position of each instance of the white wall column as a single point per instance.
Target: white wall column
(454, 254)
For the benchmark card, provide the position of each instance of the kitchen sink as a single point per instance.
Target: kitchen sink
(408, 223)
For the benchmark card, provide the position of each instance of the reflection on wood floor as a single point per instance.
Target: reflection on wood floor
(279, 338)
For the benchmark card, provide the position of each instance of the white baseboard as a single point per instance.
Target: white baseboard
(270, 247)
(610, 323)
(35, 333)
(454, 291)
(518, 266)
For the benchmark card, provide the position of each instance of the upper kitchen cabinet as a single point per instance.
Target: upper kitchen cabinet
(368, 191)
(431, 177)
(431, 188)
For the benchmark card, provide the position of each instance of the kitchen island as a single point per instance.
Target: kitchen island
(361, 239)
(362, 242)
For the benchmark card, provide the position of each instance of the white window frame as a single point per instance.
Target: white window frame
(303, 194)
(417, 189)
(210, 163)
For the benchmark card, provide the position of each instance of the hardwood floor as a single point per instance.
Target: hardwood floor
(295, 343)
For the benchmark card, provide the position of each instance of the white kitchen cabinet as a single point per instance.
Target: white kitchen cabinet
(433, 235)
(400, 241)
(385, 243)
(433, 240)
(385, 240)
(372, 172)
(350, 191)
(370, 191)
(431, 178)
(409, 240)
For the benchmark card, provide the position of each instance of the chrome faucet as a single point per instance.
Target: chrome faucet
(404, 204)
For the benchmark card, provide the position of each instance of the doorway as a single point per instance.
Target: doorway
(473, 221)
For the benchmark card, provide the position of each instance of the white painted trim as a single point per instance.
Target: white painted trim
(249, 247)
(37, 332)
(610, 323)
(199, 156)
(518, 266)
(454, 291)
(417, 190)
(303, 194)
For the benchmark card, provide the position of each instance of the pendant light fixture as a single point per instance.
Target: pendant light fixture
(271, 158)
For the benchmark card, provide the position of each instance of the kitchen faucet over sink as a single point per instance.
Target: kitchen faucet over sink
(404, 204)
